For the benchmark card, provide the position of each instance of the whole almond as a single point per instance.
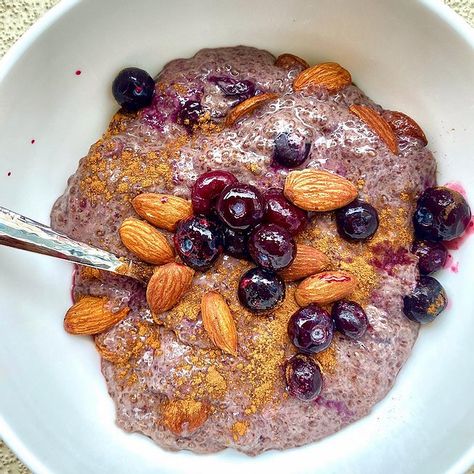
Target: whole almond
(289, 61)
(167, 285)
(184, 416)
(404, 126)
(146, 242)
(162, 210)
(91, 315)
(318, 190)
(218, 322)
(308, 261)
(325, 287)
(377, 124)
(331, 76)
(248, 106)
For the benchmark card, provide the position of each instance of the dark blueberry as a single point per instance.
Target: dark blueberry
(350, 318)
(236, 243)
(290, 151)
(311, 329)
(432, 256)
(207, 189)
(133, 88)
(426, 302)
(234, 88)
(240, 206)
(190, 113)
(282, 212)
(198, 241)
(261, 289)
(357, 221)
(272, 247)
(303, 377)
(441, 214)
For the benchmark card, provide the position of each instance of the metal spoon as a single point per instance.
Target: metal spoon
(20, 232)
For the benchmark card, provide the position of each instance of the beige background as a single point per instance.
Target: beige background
(16, 16)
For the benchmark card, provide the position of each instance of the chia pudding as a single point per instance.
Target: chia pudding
(164, 372)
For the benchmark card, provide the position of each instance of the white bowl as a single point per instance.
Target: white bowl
(414, 56)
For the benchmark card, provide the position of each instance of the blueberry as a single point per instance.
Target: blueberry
(239, 90)
(432, 256)
(236, 243)
(311, 329)
(240, 206)
(303, 377)
(198, 241)
(189, 114)
(290, 151)
(426, 302)
(133, 88)
(282, 212)
(350, 318)
(441, 214)
(272, 247)
(357, 221)
(208, 188)
(261, 289)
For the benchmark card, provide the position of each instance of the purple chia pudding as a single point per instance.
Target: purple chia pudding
(155, 364)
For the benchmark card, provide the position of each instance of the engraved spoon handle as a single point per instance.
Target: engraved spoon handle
(23, 233)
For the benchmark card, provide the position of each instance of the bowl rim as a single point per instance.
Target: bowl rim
(14, 53)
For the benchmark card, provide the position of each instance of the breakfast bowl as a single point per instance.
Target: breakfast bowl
(55, 96)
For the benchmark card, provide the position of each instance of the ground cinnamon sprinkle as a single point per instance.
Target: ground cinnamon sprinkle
(111, 172)
(239, 428)
(327, 359)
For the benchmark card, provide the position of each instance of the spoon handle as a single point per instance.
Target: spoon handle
(23, 233)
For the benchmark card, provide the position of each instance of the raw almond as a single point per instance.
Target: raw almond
(167, 285)
(91, 315)
(146, 242)
(218, 322)
(318, 190)
(162, 210)
(184, 416)
(289, 61)
(325, 287)
(404, 126)
(308, 261)
(248, 106)
(331, 76)
(377, 124)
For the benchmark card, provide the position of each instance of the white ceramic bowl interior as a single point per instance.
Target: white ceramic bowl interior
(410, 55)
